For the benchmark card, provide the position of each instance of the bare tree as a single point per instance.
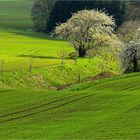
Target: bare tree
(74, 56)
(79, 77)
(2, 67)
(30, 63)
(31, 52)
(62, 55)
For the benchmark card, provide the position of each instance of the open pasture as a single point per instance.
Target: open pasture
(16, 14)
(103, 110)
(19, 49)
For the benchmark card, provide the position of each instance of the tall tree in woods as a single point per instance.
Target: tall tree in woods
(132, 10)
(41, 13)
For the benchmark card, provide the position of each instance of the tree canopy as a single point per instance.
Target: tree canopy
(132, 10)
(41, 13)
(131, 55)
(88, 29)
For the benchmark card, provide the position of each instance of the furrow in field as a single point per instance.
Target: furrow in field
(129, 87)
(37, 107)
(44, 110)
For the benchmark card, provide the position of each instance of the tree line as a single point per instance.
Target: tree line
(46, 14)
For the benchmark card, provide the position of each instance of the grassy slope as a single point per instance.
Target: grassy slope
(16, 14)
(109, 109)
(16, 41)
(47, 71)
(15, 47)
(103, 109)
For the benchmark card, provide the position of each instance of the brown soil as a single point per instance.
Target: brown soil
(100, 76)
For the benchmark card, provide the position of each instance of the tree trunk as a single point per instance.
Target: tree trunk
(82, 51)
(135, 64)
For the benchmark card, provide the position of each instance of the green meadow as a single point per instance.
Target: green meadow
(16, 14)
(17, 46)
(21, 48)
(31, 107)
(93, 110)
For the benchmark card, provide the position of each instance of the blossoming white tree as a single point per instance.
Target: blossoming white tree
(88, 29)
(131, 55)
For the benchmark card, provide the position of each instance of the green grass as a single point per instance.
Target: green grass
(16, 14)
(15, 47)
(15, 51)
(16, 42)
(51, 76)
(105, 110)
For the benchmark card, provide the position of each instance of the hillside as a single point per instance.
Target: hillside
(16, 14)
(102, 110)
(20, 49)
(47, 94)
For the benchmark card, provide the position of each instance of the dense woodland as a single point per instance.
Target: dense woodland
(47, 14)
